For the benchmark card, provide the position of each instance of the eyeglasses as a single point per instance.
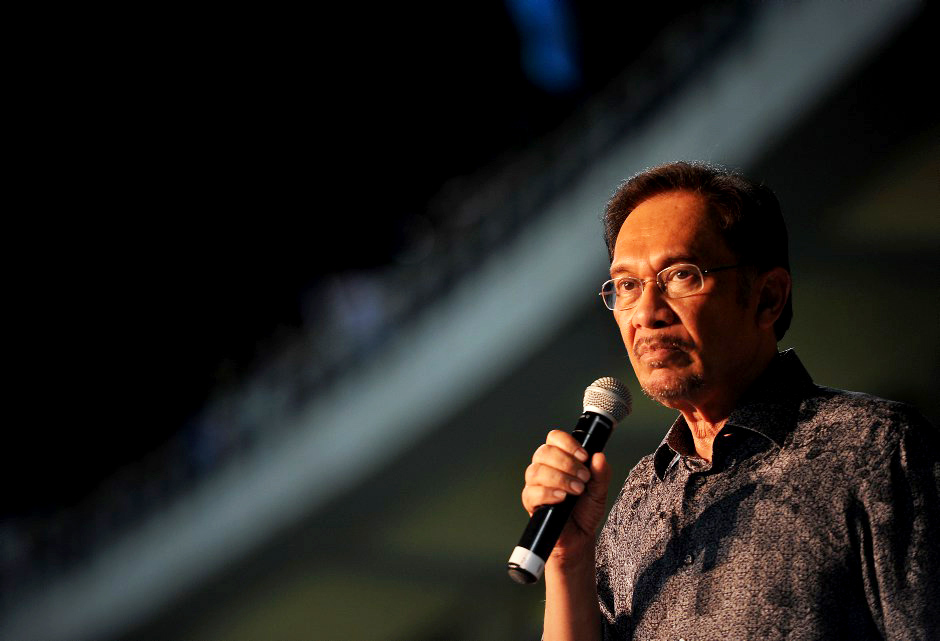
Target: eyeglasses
(676, 281)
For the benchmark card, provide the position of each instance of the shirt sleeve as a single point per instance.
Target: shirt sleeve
(898, 531)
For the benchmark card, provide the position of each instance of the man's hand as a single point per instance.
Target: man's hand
(560, 467)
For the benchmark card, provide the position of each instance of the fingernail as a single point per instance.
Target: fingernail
(577, 487)
(581, 455)
(584, 475)
(559, 494)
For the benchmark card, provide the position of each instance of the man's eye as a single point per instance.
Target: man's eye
(627, 285)
(679, 274)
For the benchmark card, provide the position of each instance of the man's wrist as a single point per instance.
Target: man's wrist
(571, 609)
(572, 559)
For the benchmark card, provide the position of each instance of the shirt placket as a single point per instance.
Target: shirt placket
(697, 474)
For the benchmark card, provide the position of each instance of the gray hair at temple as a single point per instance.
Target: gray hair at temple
(746, 213)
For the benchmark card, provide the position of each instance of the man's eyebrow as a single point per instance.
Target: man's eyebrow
(617, 269)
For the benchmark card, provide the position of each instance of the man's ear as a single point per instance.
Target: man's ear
(774, 291)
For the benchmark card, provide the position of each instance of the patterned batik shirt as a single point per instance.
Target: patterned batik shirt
(818, 518)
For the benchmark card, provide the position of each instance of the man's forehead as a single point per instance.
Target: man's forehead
(664, 230)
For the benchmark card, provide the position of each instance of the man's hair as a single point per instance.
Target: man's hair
(746, 214)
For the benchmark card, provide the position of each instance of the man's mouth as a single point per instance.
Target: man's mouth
(656, 350)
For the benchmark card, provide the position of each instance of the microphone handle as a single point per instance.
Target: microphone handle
(527, 562)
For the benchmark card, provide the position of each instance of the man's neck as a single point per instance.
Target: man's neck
(703, 434)
(707, 415)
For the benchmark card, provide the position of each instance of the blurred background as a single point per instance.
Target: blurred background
(296, 294)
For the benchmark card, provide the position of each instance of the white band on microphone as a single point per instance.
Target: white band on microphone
(528, 561)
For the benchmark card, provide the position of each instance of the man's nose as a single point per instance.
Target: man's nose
(652, 310)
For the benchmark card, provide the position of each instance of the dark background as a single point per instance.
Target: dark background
(215, 169)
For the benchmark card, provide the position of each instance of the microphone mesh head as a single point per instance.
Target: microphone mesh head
(608, 396)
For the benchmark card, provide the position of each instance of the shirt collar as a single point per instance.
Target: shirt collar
(769, 408)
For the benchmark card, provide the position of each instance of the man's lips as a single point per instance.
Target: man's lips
(657, 351)
(660, 348)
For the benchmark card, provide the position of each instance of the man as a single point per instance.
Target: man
(774, 508)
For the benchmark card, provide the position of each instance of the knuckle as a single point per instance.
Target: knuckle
(539, 452)
(562, 440)
(530, 472)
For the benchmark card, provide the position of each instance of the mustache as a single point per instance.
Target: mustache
(661, 342)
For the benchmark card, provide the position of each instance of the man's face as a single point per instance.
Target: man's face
(685, 351)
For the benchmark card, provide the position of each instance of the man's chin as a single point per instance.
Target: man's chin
(666, 390)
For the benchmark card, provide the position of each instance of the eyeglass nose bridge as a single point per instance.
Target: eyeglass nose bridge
(656, 279)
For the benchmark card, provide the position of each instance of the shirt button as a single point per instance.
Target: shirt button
(688, 559)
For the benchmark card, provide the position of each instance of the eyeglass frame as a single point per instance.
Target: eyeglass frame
(660, 285)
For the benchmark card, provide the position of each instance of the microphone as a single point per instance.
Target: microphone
(606, 403)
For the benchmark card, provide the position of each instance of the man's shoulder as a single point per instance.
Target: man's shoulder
(859, 420)
(639, 478)
(788, 389)
(642, 473)
(634, 491)
(643, 470)
(828, 405)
